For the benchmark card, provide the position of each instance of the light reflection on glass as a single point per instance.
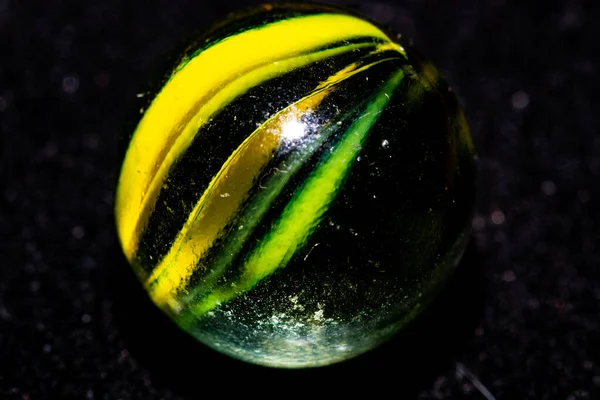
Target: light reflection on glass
(292, 130)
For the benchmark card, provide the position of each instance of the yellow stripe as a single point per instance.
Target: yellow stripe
(226, 192)
(304, 211)
(184, 104)
(271, 186)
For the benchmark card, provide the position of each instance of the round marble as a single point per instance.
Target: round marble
(297, 187)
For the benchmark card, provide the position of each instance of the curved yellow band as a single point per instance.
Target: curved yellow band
(201, 87)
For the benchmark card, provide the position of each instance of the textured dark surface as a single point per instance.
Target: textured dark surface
(521, 316)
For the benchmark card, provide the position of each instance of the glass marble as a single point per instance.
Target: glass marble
(297, 187)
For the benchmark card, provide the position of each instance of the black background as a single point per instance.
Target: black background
(520, 319)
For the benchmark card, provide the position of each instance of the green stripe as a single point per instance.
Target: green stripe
(304, 212)
(271, 187)
(180, 194)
